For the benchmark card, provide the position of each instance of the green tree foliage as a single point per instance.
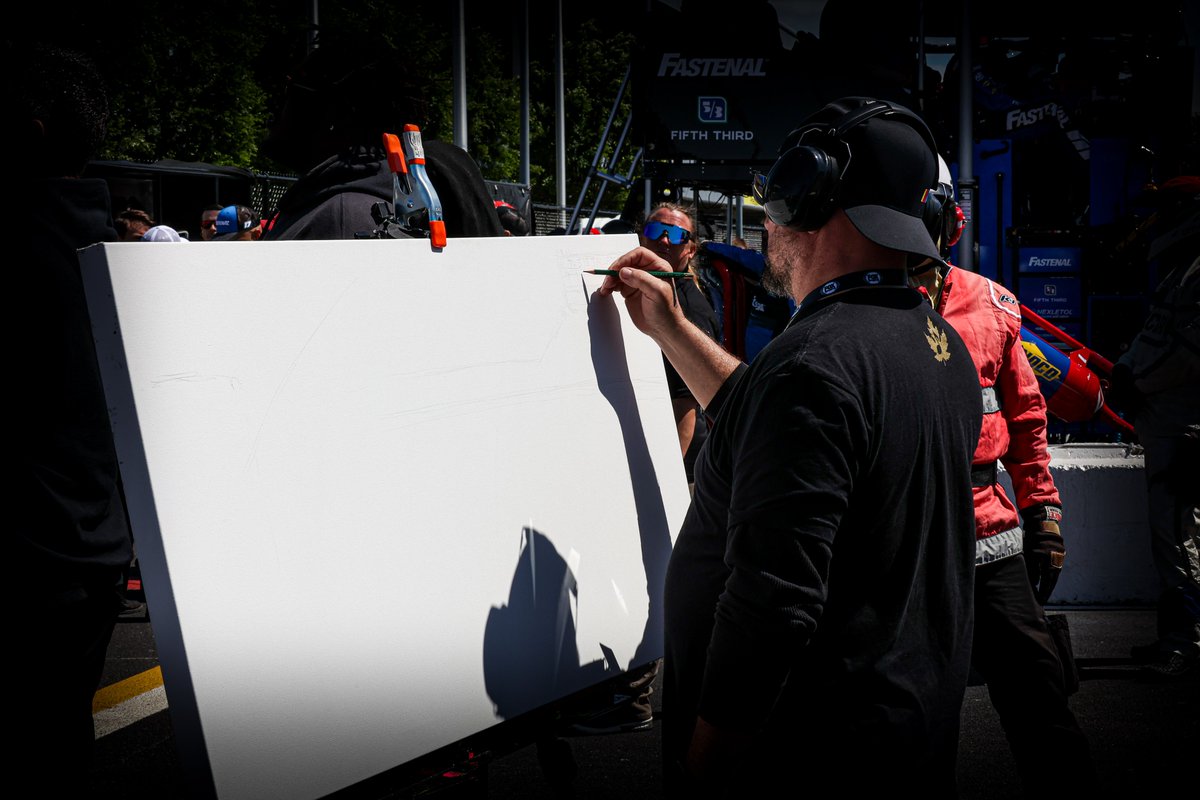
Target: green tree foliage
(181, 79)
(595, 62)
(494, 106)
(181, 107)
(202, 82)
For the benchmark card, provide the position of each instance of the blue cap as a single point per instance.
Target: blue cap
(234, 219)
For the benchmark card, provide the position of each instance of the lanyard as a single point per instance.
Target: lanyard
(869, 279)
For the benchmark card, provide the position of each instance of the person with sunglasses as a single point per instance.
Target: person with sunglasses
(208, 222)
(818, 599)
(669, 233)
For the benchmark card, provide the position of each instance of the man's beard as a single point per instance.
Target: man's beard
(776, 279)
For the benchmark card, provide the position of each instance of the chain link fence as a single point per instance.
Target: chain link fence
(553, 219)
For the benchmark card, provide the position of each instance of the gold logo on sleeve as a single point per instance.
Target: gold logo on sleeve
(938, 342)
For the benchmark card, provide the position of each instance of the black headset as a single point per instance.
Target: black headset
(800, 191)
(943, 217)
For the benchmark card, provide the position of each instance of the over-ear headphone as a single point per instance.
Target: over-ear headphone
(942, 215)
(801, 189)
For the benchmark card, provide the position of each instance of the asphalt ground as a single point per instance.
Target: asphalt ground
(1144, 730)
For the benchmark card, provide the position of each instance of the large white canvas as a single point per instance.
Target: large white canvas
(383, 497)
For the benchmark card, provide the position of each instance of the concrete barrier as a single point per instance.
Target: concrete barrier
(1103, 489)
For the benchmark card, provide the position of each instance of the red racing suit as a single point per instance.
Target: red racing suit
(987, 317)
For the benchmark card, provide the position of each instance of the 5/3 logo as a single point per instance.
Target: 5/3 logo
(712, 109)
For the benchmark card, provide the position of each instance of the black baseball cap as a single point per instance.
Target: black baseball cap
(892, 164)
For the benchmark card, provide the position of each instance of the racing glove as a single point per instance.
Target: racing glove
(1044, 548)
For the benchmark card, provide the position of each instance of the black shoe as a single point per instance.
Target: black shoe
(131, 608)
(1166, 659)
(604, 724)
(1174, 664)
(620, 718)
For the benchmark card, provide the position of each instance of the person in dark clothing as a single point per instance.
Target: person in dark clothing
(511, 220)
(71, 535)
(331, 130)
(670, 233)
(1156, 382)
(819, 594)
(1019, 546)
(678, 248)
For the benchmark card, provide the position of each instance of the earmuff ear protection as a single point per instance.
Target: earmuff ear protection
(943, 217)
(800, 190)
(956, 220)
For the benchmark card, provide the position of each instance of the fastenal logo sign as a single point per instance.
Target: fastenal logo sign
(1050, 259)
(1024, 117)
(1039, 261)
(712, 109)
(675, 66)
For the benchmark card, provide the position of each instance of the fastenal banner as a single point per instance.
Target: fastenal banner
(710, 110)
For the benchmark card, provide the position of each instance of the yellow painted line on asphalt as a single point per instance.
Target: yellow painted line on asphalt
(128, 701)
(127, 689)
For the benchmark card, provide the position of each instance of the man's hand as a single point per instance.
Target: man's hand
(1044, 548)
(652, 305)
(651, 301)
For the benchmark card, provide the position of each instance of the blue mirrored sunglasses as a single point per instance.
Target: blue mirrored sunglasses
(675, 234)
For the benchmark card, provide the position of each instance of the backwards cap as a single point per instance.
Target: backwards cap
(234, 220)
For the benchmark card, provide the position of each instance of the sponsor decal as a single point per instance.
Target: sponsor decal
(1041, 366)
(873, 278)
(673, 65)
(712, 135)
(1050, 259)
(830, 287)
(1039, 261)
(1025, 117)
(1003, 301)
(712, 109)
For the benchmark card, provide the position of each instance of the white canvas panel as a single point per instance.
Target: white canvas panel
(383, 497)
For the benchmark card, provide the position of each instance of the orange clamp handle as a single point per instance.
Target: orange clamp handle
(437, 233)
(395, 154)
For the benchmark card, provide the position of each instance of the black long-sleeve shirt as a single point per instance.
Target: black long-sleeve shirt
(819, 594)
(71, 528)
